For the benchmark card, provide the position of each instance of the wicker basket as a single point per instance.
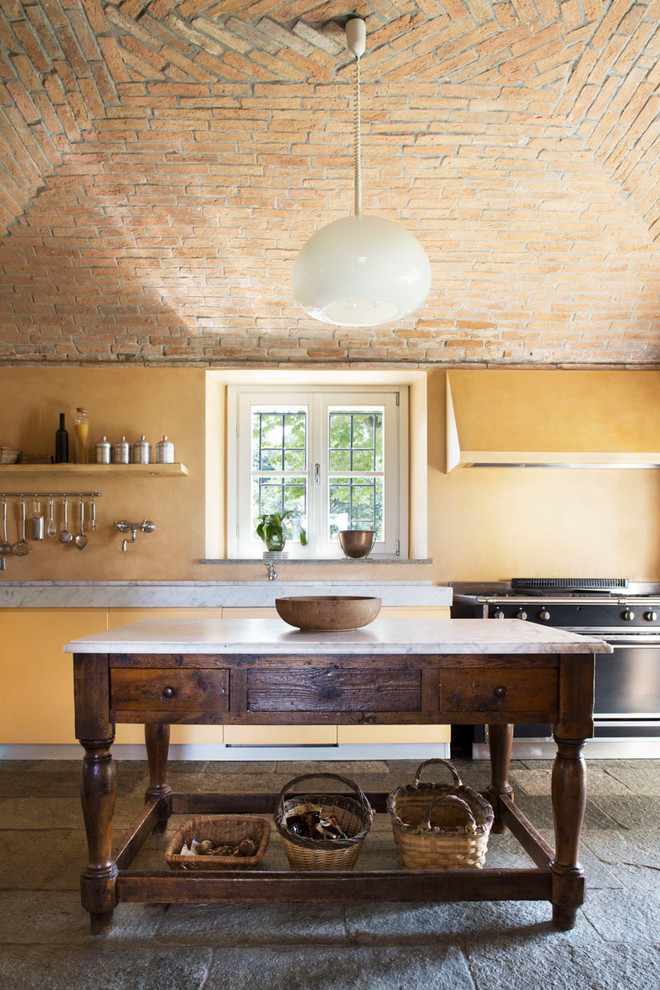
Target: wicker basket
(221, 830)
(8, 455)
(439, 826)
(352, 811)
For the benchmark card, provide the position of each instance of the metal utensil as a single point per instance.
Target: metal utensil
(52, 528)
(22, 547)
(92, 515)
(5, 546)
(81, 539)
(37, 524)
(64, 535)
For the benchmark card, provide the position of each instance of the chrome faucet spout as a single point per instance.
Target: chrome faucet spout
(146, 526)
(272, 573)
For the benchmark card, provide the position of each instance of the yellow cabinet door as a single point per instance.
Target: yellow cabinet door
(186, 734)
(36, 676)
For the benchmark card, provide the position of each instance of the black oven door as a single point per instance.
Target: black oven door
(628, 686)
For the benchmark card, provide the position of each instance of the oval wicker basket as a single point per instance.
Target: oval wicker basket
(221, 830)
(439, 826)
(352, 811)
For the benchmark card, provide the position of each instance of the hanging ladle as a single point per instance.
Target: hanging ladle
(5, 547)
(22, 547)
(81, 539)
(64, 535)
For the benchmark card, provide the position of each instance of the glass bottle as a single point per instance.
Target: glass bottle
(82, 436)
(61, 443)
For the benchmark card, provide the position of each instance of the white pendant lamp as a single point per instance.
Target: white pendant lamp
(360, 271)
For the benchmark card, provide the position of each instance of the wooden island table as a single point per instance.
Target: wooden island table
(261, 671)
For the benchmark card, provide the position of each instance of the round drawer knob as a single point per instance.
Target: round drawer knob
(500, 692)
(168, 692)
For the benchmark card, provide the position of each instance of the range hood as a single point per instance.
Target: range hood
(552, 419)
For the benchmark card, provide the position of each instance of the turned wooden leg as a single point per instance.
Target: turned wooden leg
(98, 882)
(157, 741)
(569, 798)
(500, 740)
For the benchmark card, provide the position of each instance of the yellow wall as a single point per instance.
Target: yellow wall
(492, 524)
(483, 524)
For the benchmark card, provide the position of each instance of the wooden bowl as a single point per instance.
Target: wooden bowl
(356, 542)
(328, 613)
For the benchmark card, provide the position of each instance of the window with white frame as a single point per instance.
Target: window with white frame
(335, 458)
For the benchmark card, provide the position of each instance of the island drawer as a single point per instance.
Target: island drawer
(198, 690)
(533, 690)
(333, 689)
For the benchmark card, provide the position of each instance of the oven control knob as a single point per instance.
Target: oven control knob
(628, 615)
(544, 615)
(521, 614)
(651, 616)
(499, 614)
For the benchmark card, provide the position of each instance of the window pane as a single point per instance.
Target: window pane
(279, 440)
(363, 460)
(269, 460)
(356, 440)
(340, 460)
(294, 460)
(295, 429)
(356, 503)
(278, 494)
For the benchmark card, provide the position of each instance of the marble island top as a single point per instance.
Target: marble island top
(273, 636)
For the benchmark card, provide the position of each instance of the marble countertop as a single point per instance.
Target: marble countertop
(206, 594)
(273, 636)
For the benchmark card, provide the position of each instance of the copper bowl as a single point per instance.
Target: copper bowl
(356, 542)
(328, 613)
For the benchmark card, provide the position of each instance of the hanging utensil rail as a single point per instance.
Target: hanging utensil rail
(30, 494)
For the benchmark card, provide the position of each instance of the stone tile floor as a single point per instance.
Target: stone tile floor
(45, 944)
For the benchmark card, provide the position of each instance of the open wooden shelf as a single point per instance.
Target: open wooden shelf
(95, 470)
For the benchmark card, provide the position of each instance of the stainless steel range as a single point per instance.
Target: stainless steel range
(627, 706)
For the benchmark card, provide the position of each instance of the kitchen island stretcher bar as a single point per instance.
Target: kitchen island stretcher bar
(259, 671)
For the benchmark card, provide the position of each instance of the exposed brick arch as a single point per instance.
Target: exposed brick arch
(162, 162)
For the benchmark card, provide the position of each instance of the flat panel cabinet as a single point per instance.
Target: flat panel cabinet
(36, 677)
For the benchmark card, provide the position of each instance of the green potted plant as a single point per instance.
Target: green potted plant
(273, 529)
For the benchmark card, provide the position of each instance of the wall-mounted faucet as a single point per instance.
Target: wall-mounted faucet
(272, 573)
(146, 526)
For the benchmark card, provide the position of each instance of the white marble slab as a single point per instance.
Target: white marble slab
(383, 636)
(207, 594)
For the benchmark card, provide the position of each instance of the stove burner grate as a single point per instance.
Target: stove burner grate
(569, 584)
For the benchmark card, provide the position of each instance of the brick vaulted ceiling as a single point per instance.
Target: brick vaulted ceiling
(163, 161)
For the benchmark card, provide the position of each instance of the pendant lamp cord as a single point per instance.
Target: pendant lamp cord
(356, 143)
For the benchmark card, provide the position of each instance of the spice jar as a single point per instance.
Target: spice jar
(141, 451)
(103, 451)
(121, 452)
(164, 451)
